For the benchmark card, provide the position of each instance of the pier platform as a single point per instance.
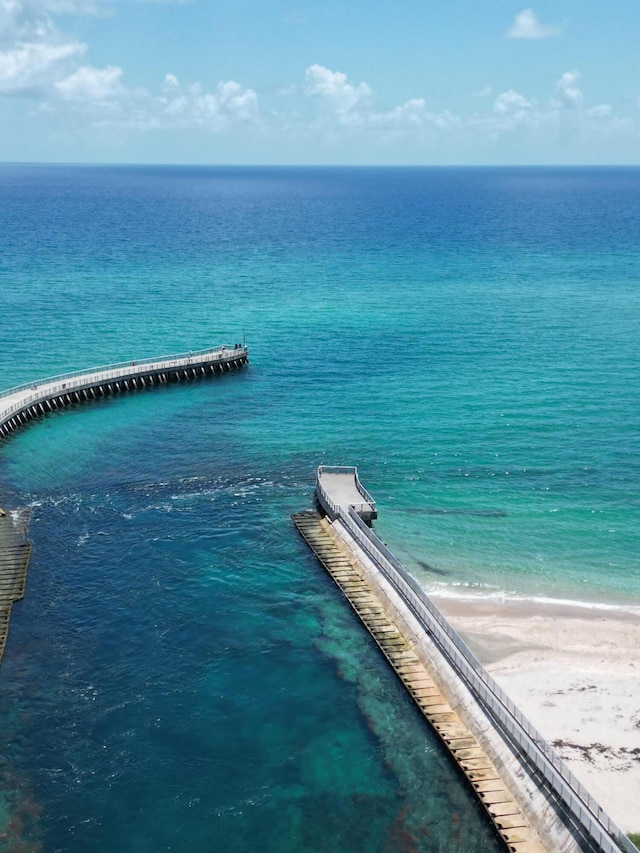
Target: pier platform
(338, 488)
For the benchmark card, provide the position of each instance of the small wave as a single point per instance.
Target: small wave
(483, 592)
(460, 589)
(161, 507)
(584, 605)
(84, 537)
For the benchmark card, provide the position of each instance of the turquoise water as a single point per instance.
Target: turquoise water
(181, 674)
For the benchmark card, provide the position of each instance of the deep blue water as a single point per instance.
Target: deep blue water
(181, 674)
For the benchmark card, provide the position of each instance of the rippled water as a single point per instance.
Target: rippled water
(181, 674)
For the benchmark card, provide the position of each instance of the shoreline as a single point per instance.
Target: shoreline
(573, 670)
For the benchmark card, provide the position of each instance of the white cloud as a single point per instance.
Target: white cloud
(22, 23)
(241, 103)
(511, 103)
(345, 105)
(411, 114)
(600, 111)
(527, 26)
(91, 84)
(511, 112)
(567, 95)
(30, 66)
(335, 90)
(348, 110)
(229, 106)
(42, 62)
(39, 60)
(563, 116)
(33, 53)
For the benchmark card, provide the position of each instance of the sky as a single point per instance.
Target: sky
(370, 82)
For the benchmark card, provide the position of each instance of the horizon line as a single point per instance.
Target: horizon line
(126, 163)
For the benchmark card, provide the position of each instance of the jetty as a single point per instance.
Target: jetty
(533, 800)
(23, 403)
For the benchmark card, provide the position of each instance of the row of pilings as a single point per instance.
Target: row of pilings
(112, 387)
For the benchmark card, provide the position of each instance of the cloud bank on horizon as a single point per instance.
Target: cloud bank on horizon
(321, 114)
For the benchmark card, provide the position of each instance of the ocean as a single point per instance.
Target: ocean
(181, 674)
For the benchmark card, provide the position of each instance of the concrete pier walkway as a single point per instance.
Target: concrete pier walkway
(338, 488)
(34, 399)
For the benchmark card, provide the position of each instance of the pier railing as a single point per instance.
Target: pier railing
(119, 368)
(77, 380)
(586, 813)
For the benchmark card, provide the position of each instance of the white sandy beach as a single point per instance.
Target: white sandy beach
(575, 673)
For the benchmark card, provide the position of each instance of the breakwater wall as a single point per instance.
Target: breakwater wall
(32, 400)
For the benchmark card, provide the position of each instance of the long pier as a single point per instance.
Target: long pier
(23, 403)
(530, 795)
